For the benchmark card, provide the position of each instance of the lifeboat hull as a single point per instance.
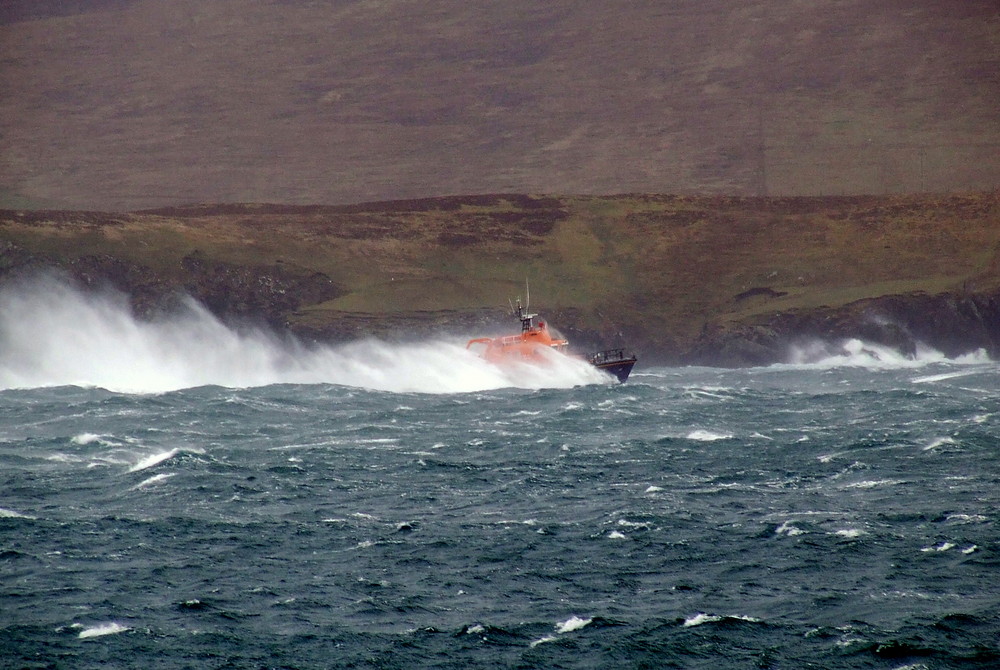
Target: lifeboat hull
(613, 361)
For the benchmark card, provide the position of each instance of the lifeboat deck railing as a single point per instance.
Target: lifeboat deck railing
(610, 356)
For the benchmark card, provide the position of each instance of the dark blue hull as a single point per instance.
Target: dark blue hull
(613, 361)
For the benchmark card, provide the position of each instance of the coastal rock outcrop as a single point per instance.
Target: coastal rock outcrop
(952, 323)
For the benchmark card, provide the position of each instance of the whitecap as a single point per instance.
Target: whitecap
(787, 528)
(707, 436)
(850, 533)
(944, 546)
(543, 640)
(11, 514)
(632, 524)
(653, 489)
(850, 641)
(699, 619)
(966, 518)
(971, 549)
(567, 626)
(104, 629)
(715, 393)
(871, 483)
(571, 624)
(702, 618)
(63, 458)
(617, 535)
(152, 480)
(154, 459)
(86, 438)
(941, 441)
(937, 378)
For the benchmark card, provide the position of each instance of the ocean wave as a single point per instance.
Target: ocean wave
(111, 628)
(821, 355)
(11, 514)
(153, 460)
(568, 626)
(702, 618)
(701, 435)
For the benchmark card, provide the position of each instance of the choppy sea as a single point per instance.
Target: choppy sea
(178, 494)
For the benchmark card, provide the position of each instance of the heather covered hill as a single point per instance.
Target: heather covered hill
(128, 104)
(720, 280)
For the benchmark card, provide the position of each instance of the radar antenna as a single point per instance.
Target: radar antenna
(522, 313)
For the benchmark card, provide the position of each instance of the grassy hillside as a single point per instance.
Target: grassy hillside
(655, 270)
(126, 104)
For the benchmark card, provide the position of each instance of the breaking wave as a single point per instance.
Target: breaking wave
(52, 334)
(858, 353)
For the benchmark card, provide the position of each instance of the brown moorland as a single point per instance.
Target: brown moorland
(119, 105)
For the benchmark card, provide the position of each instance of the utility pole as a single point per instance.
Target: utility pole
(920, 154)
(761, 152)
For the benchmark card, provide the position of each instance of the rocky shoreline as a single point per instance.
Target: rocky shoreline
(679, 292)
(954, 324)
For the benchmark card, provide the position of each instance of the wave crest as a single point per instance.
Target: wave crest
(818, 354)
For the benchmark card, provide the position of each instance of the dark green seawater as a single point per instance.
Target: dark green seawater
(839, 514)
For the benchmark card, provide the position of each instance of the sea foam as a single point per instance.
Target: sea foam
(822, 355)
(86, 438)
(55, 335)
(104, 629)
(572, 623)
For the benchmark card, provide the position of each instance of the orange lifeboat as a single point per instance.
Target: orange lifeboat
(530, 345)
(535, 342)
